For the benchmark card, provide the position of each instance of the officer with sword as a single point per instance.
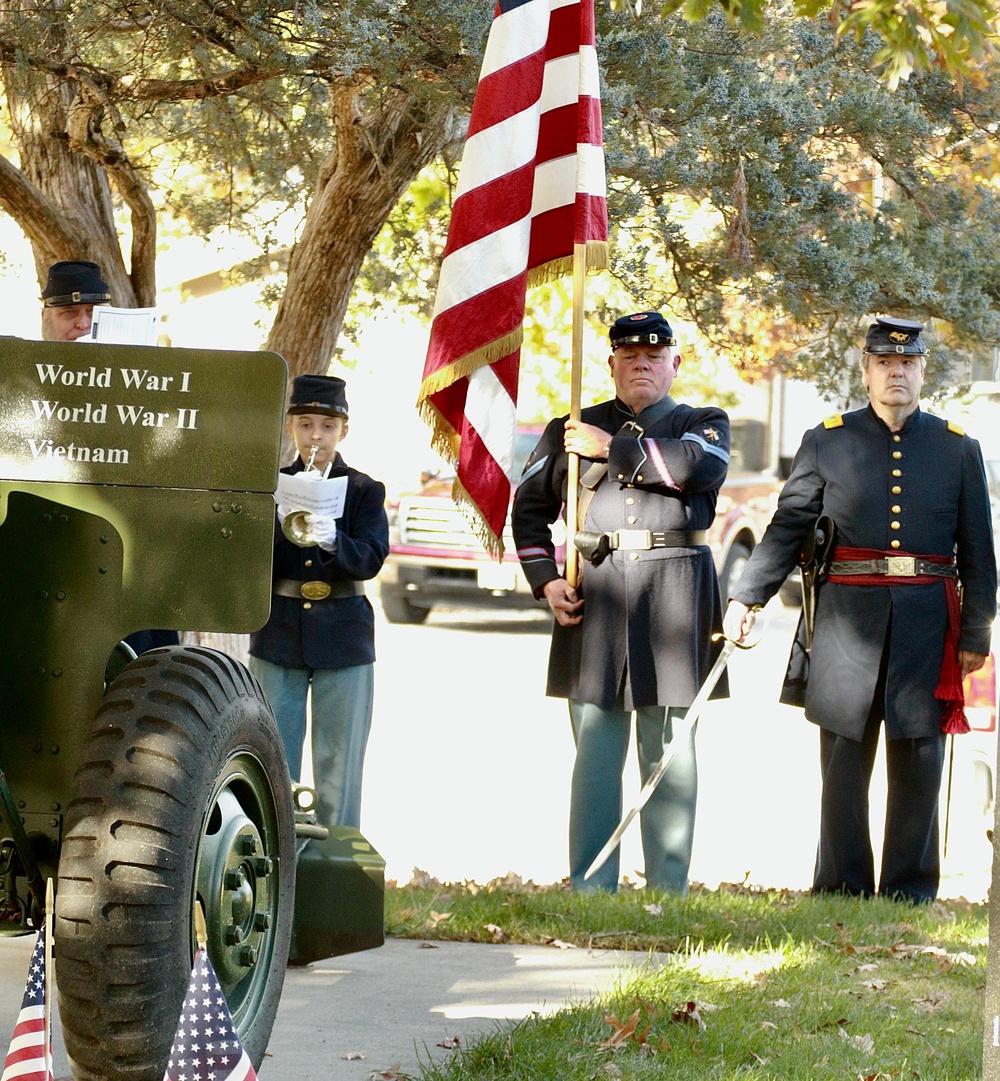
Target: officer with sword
(904, 614)
(634, 636)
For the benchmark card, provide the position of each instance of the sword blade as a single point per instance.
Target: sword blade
(661, 767)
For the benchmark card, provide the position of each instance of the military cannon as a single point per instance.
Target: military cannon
(135, 492)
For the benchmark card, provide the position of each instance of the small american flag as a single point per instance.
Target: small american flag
(26, 1058)
(206, 1047)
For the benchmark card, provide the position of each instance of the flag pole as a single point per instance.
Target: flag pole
(575, 395)
(49, 906)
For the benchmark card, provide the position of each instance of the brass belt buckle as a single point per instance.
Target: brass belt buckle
(901, 566)
(315, 591)
(632, 539)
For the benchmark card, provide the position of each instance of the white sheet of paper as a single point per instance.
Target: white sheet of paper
(124, 326)
(302, 491)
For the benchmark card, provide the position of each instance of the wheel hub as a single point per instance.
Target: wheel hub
(234, 880)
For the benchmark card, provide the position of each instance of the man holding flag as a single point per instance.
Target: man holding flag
(635, 635)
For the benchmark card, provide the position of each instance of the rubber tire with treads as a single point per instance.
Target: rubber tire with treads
(398, 608)
(183, 793)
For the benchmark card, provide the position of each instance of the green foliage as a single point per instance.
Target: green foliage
(857, 200)
(920, 35)
(741, 983)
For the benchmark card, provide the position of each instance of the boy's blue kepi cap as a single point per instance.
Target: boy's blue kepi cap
(75, 281)
(318, 394)
(643, 328)
(890, 335)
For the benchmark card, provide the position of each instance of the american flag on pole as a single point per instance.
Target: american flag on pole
(206, 1047)
(26, 1056)
(530, 192)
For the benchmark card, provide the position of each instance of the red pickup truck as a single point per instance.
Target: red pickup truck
(435, 559)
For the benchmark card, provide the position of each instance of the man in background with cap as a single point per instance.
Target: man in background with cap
(892, 641)
(635, 635)
(73, 287)
(321, 632)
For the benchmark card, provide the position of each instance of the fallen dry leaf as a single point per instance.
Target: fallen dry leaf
(930, 1003)
(437, 917)
(421, 880)
(496, 933)
(391, 1074)
(352, 1056)
(449, 1043)
(654, 909)
(688, 1014)
(762, 1061)
(874, 985)
(427, 946)
(864, 1043)
(559, 944)
(782, 1004)
(623, 1032)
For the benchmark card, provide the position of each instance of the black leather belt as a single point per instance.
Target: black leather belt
(317, 590)
(643, 539)
(894, 567)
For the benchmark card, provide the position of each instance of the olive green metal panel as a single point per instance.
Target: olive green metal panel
(339, 897)
(191, 560)
(141, 416)
(60, 579)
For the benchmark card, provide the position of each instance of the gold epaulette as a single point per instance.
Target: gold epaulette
(956, 428)
(836, 421)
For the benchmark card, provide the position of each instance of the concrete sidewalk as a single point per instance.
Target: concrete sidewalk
(394, 1004)
(398, 1003)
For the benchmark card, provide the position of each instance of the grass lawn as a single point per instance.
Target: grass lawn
(751, 984)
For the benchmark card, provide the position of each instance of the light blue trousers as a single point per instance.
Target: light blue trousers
(342, 701)
(667, 820)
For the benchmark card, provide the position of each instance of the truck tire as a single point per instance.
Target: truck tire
(398, 608)
(183, 795)
(736, 560)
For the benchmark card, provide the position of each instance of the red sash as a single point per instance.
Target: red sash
(950, 688)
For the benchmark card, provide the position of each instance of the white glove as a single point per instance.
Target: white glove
(283, 512)
(322, 531)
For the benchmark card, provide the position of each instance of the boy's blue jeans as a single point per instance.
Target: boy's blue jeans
(341, 720)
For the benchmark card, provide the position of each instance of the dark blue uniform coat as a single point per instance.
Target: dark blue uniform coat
(649, 615)
(332, 633)
(923, 487)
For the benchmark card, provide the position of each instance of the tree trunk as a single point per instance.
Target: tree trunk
(383, 140)
(61, 196)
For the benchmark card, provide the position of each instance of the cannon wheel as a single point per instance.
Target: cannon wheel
(183, 795)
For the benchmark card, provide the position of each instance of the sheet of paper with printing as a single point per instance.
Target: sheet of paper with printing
(309, 492)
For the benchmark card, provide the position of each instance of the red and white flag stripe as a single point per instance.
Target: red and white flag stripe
(532, 186)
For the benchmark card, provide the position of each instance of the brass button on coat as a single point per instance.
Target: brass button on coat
(894, 544)
(894, 525)
(895, 510)
(307, 604)
(897, 472)
(896, 489)
(897, 454)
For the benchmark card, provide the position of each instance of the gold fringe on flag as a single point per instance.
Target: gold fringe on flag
(445, 441)
(466, 365)
(477, 523)
(597, 259)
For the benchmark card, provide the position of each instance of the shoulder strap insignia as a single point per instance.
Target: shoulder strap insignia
(956, 428)
(836, 421)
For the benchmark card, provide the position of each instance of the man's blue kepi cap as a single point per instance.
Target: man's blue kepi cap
(324, 394)
(890, 335)
(643, 328)
(75, 281)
